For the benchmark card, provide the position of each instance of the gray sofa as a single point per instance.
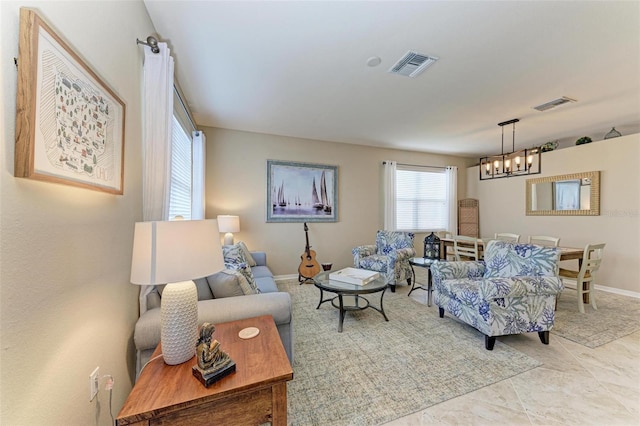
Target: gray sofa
(269, 301)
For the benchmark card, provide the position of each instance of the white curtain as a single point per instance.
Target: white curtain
(197, 189)
(452, 198)
(156, 145)
(389, 195)
(157, 117)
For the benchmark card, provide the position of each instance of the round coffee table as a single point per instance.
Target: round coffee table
(342, 289)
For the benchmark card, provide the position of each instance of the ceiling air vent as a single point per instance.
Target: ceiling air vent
(554, 103)
(412, 64)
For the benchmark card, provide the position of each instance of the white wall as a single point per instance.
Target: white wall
(502, 206)
(66, 302)
(237, 182)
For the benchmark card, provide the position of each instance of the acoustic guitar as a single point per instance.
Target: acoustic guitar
(309, 266)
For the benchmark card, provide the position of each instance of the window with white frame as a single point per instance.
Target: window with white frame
(421, 199)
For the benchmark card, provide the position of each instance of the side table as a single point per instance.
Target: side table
(422, 263)
(256, 393)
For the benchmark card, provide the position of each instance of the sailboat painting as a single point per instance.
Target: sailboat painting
(301, 192)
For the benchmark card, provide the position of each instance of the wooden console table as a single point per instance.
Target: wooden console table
(256, 393)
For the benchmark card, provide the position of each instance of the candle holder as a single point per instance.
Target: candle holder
(432, 246)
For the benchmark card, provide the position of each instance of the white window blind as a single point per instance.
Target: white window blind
(181, 171)
(421, 199)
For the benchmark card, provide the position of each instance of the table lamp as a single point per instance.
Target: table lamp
(228, 224)
(174, 253)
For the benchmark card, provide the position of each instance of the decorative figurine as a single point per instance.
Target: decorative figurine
(213, 363)
(613, 133)
(549, 146)
(583, 140)
(432, 246)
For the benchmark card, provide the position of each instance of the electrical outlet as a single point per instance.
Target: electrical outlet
(93, 383)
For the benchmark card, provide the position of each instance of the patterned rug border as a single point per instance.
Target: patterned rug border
(617, 316)
(360, 376)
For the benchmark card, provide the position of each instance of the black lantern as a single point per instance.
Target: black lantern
(431, 246)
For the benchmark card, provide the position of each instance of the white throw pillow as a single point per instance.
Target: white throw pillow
(247, 254)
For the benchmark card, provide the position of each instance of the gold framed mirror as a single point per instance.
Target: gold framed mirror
(576, 194)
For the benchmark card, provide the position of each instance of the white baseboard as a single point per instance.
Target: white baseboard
(618, 291)
(572, 285)
(285, 277)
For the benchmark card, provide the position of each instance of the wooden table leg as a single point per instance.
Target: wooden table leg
(279, 404)
(585, 286)
(585, 296)
(443, 250)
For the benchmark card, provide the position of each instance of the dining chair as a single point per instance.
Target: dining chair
(449, 235)
(543, 240)
(504, 236)
(591, 261)
(444, 234)
(465, 248)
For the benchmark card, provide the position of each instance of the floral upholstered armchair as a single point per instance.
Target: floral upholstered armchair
(512, 291)
(389, 256)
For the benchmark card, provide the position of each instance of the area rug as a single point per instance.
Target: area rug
(617, 316)
(377, 371)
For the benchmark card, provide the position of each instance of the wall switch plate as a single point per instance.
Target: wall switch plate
(93, 384)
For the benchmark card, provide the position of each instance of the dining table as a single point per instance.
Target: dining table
(566, 253)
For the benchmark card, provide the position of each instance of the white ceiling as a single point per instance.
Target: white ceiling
(299, 69)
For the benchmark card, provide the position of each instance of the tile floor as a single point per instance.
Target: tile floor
(575, 386)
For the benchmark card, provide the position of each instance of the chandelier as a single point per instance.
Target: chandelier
(514, 163)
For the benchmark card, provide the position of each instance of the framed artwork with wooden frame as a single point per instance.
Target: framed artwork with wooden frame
(69, 123)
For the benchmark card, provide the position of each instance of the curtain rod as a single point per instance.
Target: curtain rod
(185, 109)
(418, 165)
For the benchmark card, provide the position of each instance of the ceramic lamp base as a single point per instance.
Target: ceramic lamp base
(179, 322)
(228, 239)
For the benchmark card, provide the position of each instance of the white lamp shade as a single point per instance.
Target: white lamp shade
(175, 253)
(228, 223)
(167, 252)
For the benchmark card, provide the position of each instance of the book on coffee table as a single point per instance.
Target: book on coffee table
(354, 276)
